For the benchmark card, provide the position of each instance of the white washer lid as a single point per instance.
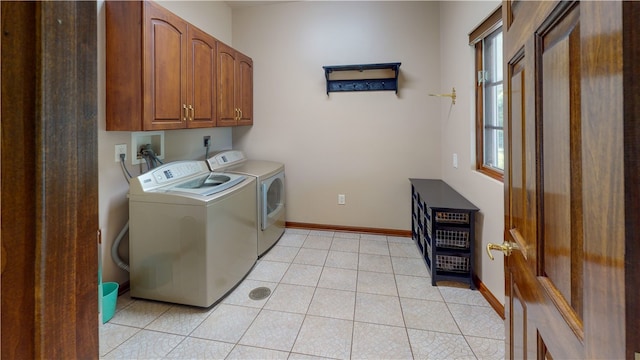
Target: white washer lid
(206, 185)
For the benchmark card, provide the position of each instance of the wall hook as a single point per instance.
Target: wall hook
(452, 95)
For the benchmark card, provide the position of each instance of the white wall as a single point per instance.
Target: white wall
(457, 19)
(365, 145)
(212, 17)
(362, 144)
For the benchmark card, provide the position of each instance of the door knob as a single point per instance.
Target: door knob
(506, 248)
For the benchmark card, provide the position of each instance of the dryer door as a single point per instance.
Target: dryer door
(272, 193)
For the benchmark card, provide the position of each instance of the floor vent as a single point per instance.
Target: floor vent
(260, 293)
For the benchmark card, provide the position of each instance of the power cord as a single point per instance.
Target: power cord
(151, 159)
(206, 152)
(123, 167)
(115, 256)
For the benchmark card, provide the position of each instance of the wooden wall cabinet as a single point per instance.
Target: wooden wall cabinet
(235, 93)
(161, 70)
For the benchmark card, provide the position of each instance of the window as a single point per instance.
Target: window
(487, 40)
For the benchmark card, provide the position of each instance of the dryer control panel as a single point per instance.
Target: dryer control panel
(225, 159)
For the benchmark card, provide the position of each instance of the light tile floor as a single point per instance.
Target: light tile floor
(334, 296)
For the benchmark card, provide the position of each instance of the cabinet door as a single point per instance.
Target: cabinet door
(244, 90)
(123, 53)
(227, 110)
(201, 80)
(165, 69)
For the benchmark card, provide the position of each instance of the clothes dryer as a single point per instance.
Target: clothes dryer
(193, 233)
(269, 188)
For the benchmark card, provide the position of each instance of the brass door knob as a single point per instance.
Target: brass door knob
(505, 247)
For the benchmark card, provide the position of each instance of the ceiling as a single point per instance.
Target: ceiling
(234, 4)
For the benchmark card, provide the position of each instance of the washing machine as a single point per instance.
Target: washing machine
(269, 177)
(192, 233)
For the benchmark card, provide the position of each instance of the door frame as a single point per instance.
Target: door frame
(49, 184)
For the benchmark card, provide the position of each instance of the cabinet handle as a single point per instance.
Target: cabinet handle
(240, 117)
(237, 114)
(184, 112)
(192, 112)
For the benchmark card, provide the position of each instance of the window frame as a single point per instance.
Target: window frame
(485, 29)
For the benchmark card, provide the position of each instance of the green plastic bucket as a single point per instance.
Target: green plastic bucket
(109, 300)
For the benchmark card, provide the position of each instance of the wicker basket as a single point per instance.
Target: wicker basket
(452, 239)
(452, 263)
(452, 217)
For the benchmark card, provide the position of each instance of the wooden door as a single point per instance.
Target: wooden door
(165, 69)
(244, 93)
(564, 180)
(201, 81)
(49, 182)
(227, 110)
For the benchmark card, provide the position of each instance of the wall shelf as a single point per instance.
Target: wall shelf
(362, 77)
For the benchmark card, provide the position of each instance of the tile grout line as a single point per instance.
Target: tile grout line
(306, 313)
(338, 264)
(406, 328)
(458, 326)
(355, 302)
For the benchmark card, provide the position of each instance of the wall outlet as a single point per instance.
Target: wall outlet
(207, 140)
(341, 199)
(455, 160)
(121, 149)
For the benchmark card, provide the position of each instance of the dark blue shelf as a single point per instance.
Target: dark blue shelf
(373, 84)
(436, 207)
